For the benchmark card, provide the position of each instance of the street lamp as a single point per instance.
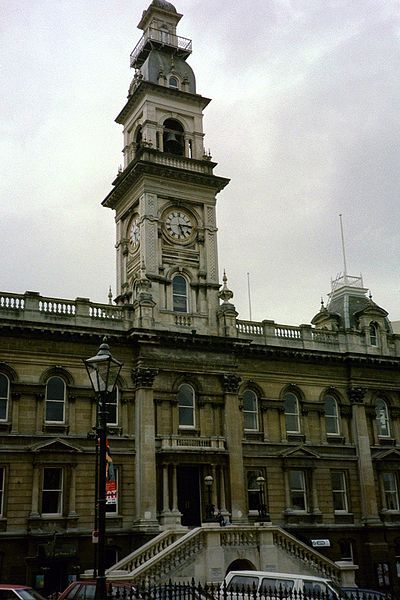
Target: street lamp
(208, 480)
(103, 371)
(262, 509)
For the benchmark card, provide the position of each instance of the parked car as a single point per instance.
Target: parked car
(243, 585)
(9, 591)
(362, 594)
(86, 590)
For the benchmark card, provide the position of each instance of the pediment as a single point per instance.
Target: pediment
(299, 452)
(387, 454)
(55, 445)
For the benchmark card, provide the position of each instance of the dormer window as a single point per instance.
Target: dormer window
(373, 334)
(173, 82)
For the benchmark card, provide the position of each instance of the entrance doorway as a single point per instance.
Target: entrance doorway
(189, 495)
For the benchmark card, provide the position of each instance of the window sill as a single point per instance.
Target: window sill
(343, 517)
(386, 441)
(299, 438)
(55, 428)
(335, 439)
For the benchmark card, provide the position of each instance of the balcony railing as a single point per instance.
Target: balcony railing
(156, 38)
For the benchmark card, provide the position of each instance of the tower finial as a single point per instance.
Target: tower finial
(343, 248)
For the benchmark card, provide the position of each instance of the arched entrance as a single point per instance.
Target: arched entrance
(241, 564)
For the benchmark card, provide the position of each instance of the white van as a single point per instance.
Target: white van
(241, 585)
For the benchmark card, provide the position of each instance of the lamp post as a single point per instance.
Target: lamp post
(103, 371)
(208, 480)
(262, 509)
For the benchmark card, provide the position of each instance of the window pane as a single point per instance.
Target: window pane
(55, 411)
(339, 493)
(3, 386)
(179, 293)
(55, 389)
(250, 421)
(112, 407)
(291, 405)
(51, 492)
(297, 490)
(3, 409)
(186, 405)
(250, 410)
(186, 416)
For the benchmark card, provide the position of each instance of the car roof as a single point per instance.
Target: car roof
(14, 586)
(278, 575)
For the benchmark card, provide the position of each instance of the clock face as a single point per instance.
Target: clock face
(178, 225)
(134, 234)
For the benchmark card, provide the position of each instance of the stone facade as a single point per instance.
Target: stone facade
(314, 410)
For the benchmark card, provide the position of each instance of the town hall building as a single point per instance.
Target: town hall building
(293, 427)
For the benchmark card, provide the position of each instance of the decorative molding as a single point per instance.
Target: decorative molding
(144, 377)
(231, 383)
(356, 395)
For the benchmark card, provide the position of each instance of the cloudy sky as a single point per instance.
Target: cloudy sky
(304, 120)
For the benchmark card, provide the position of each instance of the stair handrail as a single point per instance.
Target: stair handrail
(151, 548)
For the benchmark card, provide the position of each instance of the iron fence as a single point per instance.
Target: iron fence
(197, 591)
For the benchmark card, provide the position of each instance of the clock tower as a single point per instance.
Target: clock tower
(164, 197)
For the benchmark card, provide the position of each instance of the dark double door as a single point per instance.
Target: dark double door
(189, 503)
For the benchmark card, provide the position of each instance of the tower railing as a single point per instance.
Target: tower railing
(158, 37)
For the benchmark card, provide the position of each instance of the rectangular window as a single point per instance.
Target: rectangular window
(339, 491)
(390, 491)
(298, 492)
(253, 490)
(52, 491)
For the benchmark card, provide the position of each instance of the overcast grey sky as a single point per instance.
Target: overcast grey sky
(304, 120)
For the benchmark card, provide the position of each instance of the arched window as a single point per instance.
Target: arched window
(291, 405)
(250, 410)
(186, 405)
(331, 415)
(173, 140)
(173, 82)
(382, 418)
(179, 294)
(4, 396)
(373, 334)
(55, 400)
(112, 407)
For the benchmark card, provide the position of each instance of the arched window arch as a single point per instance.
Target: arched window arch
(173, 82)
(250, 410)
(4, 396)
(373, 334)
(292, 413)
(55, 400)
(173, 138)
(382, 418)
(332, 423)
(180, 294)
(186, 406)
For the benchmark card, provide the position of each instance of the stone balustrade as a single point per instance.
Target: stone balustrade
(172, 554)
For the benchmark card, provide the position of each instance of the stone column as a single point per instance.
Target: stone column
(234, 440)
(369, 504)
(145, 460)
(72, 492)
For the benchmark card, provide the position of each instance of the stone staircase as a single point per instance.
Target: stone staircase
(205, 554)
